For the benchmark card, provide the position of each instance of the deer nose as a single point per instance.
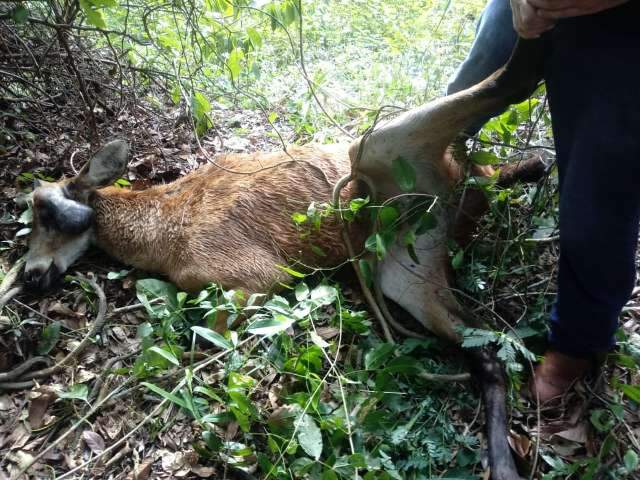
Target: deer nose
(39, 279)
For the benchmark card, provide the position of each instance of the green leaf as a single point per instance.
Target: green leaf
(409, 240)
(484, 158)
(631, 391)
(271, 326)
(200, 106)
(329, 475)
(213, 337)
(358, 460)
(602, 419)
(235, 63)
(117, 275)
(299, 218)
(403, 364)
(428, 221)
(155, 288)
(167, 395)
(78, 391)
(122, 182)
(376, 357)
(388, 216)
(457, 260)
(211, 439)
(301, 291)
(165, 354)
(631, 461)
(291, 271)
(19, 14)
(241, 408)
(376, 243)
(144, 330)
(366, 271)
(357, 204)
(475, 337)
(309, 436)
(404, 174)
(255, 38)
(324, 295)
(151, 289)
(49, 338)
(94, 16)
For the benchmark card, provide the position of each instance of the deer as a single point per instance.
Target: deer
(230, 222)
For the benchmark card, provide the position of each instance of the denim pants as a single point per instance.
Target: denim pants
(592, 73)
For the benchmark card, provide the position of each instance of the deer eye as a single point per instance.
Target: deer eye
(63, 214)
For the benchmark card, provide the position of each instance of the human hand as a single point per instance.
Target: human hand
(527, 22)
(556, 9)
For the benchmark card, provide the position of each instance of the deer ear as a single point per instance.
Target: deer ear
(104, 168)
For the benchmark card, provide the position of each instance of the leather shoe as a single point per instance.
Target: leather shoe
(556, 374)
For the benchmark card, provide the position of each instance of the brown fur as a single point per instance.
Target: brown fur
(233, 229)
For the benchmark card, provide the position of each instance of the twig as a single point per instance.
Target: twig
(11, 276)
(83, 88)
(6, 298)
(552, 239)
(98, 324)
(21, 369)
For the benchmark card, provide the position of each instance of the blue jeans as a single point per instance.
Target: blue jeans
(492, 47)
(592, 74)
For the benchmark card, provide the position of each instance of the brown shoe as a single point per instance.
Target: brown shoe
(556, 374)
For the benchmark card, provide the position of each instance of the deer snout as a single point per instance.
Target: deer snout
(41, 279)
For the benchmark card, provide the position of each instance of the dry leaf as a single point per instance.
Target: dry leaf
(578, 433)
(40, 402)
(142, 471)
(203, 472)
(519, 443)
(93, 440)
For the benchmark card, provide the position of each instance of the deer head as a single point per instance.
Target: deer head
(62, 218)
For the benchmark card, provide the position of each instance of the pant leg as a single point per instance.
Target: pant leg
(495, 39)
(593, 82)
(492, 47)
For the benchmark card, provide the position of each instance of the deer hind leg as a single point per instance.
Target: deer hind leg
(423, 289)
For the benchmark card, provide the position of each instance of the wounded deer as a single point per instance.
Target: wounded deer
(230, 222)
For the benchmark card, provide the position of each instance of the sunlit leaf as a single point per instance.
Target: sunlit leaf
(270, 326)
(165, 354)
(309, 436)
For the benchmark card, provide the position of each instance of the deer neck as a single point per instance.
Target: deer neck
(130, 226)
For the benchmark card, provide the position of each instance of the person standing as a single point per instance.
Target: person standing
(592, 75)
